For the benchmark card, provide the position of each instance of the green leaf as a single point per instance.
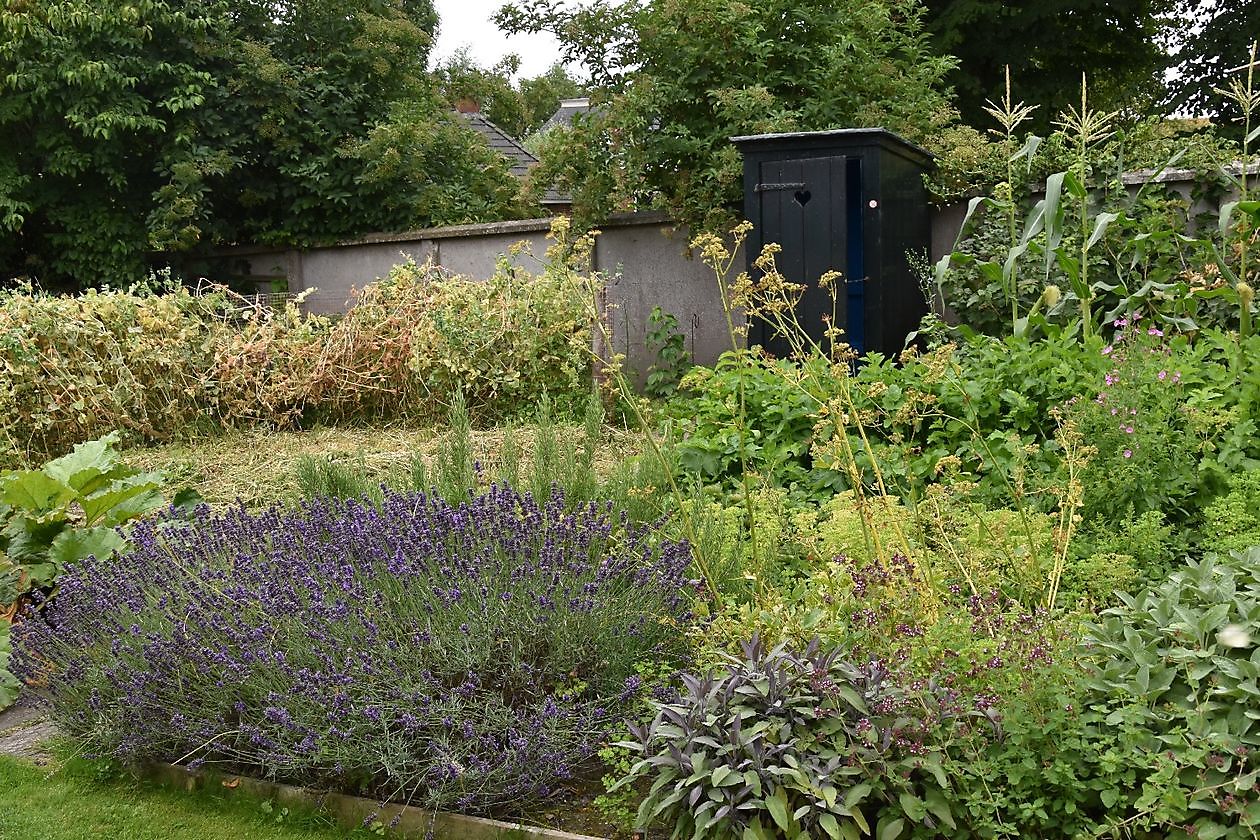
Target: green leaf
(1226, 215)
(122, 501)
(33, 491)
(777, 805)
(889, 829)
(85, 464)
(856, 794)
(1208, 830)
(939, 806)
(1101, 222)
(912, 806)
(1053, 209)
(830, 825)
(75, 544)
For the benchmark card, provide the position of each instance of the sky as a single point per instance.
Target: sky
(467, 23)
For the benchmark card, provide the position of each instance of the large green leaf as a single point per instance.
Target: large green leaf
(75, 544)
(777, 805)
(122, 501)
(34, 491)
(889, 829)
(88, 466)
(30, 538)
(9, 685)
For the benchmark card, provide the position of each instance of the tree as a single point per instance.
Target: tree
(100, 106)
(1047, 44)
(518, 107)
(675, 79)
(155, 125)
(1214, 37)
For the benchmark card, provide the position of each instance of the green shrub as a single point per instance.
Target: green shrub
(1110, 556)
(1060, 769)
(1178, 663)
(1232, 522)
(959, 543)
(779, 410)
(668, 347)
(66, 511)
(984, 409)
(1136, 424)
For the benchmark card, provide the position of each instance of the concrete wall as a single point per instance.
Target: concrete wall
(644, 257)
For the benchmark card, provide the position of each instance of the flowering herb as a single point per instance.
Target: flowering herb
(784, 743)
(471, 656)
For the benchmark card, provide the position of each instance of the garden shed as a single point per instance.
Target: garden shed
(847, 200)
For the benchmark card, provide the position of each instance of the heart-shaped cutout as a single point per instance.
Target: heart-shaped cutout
(802, 197)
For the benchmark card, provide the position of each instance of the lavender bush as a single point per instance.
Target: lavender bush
(471, 656)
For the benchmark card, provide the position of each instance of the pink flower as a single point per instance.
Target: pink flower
(1162, 375)
(1176, 376)
(1107, 350)
(1128, 430)
(1128, 453)
(1120, 322)
(1113, 412)
(1154, 331)
(1111, 379)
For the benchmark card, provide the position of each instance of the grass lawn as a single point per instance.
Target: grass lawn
(257, 467)
(73, 804)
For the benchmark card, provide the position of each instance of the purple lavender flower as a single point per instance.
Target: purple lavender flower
(478, 651)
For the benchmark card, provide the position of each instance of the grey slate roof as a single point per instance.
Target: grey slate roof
(498, 139)
(517, 154)
(569, 108)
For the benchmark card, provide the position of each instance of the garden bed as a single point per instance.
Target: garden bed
(353, 812)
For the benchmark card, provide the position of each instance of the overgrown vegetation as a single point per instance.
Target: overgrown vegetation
(1003, 585)
(161, 365)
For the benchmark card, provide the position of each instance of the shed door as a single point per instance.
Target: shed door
(812, 207)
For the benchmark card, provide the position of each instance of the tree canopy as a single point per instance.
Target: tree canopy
(519, 107)
(673, 80)
(1048, 44)
(147, 125)
(1213, 38)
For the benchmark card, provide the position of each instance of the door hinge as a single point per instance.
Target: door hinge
(775, 187)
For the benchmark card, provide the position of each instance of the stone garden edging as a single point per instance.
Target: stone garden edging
(354, 811)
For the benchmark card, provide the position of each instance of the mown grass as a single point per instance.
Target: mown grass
(259, 467)
(78, 802)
